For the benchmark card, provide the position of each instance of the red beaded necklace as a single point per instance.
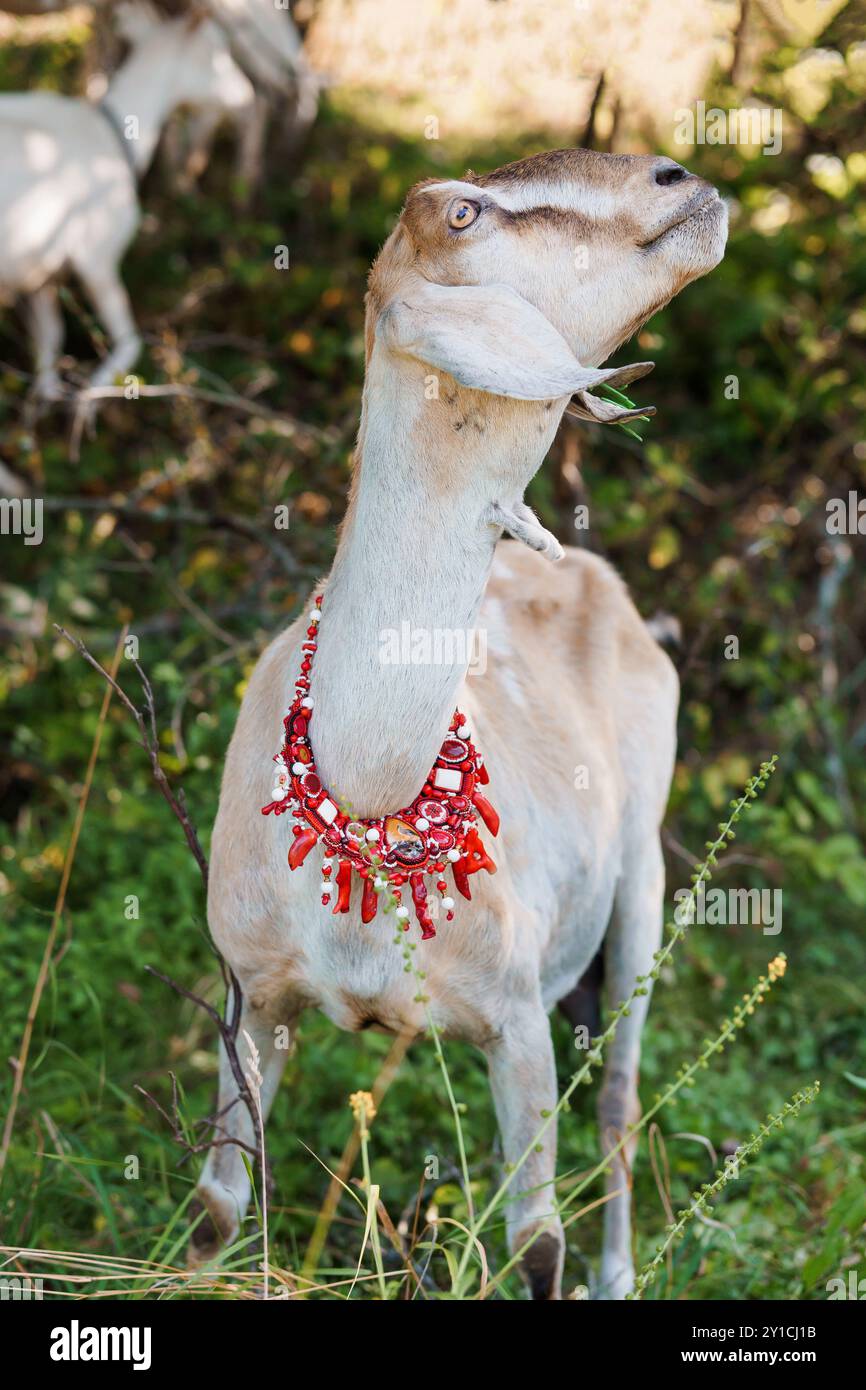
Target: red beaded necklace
(439, 827)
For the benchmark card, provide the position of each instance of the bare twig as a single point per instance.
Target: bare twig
(146, 721)
(226, 1025)
(181, 391)
(175, 1122)
(758, 861)
(181, 516)
(195, 610)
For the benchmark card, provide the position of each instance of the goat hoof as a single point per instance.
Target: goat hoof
(214, 1231)
(616, 1281)
(541, 1266)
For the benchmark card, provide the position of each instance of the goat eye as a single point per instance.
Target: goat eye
(461, 214)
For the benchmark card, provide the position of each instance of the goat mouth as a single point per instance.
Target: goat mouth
(692, 209)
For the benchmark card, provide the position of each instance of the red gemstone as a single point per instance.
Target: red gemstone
(442, 837)
(369, 902)
(487, 813)
(301, 847)
(461, 878)
(344, 887)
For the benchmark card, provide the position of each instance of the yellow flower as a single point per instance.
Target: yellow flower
(362, 1106)
(777, 967)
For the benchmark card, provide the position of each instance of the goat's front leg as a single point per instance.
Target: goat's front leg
(46, 334)
(202, 127)
(224, 1188)
(253, 126)
(523, 1082)
(633, 936)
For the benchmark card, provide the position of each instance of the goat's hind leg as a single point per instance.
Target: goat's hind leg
(108, 295)
(633, 936)
(224, 1188)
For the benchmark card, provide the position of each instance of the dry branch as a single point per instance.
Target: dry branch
(226, 1024)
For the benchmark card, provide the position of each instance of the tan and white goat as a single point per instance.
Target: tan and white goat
(68, 196)
(506, 291)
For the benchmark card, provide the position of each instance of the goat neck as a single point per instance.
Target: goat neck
(414, 555)
(145, 89)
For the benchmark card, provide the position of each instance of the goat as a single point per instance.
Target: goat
(481, 325)
(68, 197)
(267, 46)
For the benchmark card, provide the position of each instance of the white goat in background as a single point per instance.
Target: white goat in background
(268, 47)
(68, 197)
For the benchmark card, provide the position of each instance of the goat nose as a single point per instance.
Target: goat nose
(669, 173)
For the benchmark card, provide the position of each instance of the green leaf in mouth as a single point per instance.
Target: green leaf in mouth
(620, 398)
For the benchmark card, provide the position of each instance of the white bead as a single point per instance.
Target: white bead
(279, 793)
(315, 616)
(372, 835)
(448, 904)
(378, 882)
(307, 703)
(448, 779)
(298, 769)
(422, 824)
(402, 912)
(454, 855)
(326, 890)
(463, 731)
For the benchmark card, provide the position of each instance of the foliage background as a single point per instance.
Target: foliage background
(718, 517)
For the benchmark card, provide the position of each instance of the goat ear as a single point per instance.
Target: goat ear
(491, 339)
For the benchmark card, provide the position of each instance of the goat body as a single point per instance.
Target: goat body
(481, 327)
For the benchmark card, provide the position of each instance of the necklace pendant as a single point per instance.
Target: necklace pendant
(438, 828)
